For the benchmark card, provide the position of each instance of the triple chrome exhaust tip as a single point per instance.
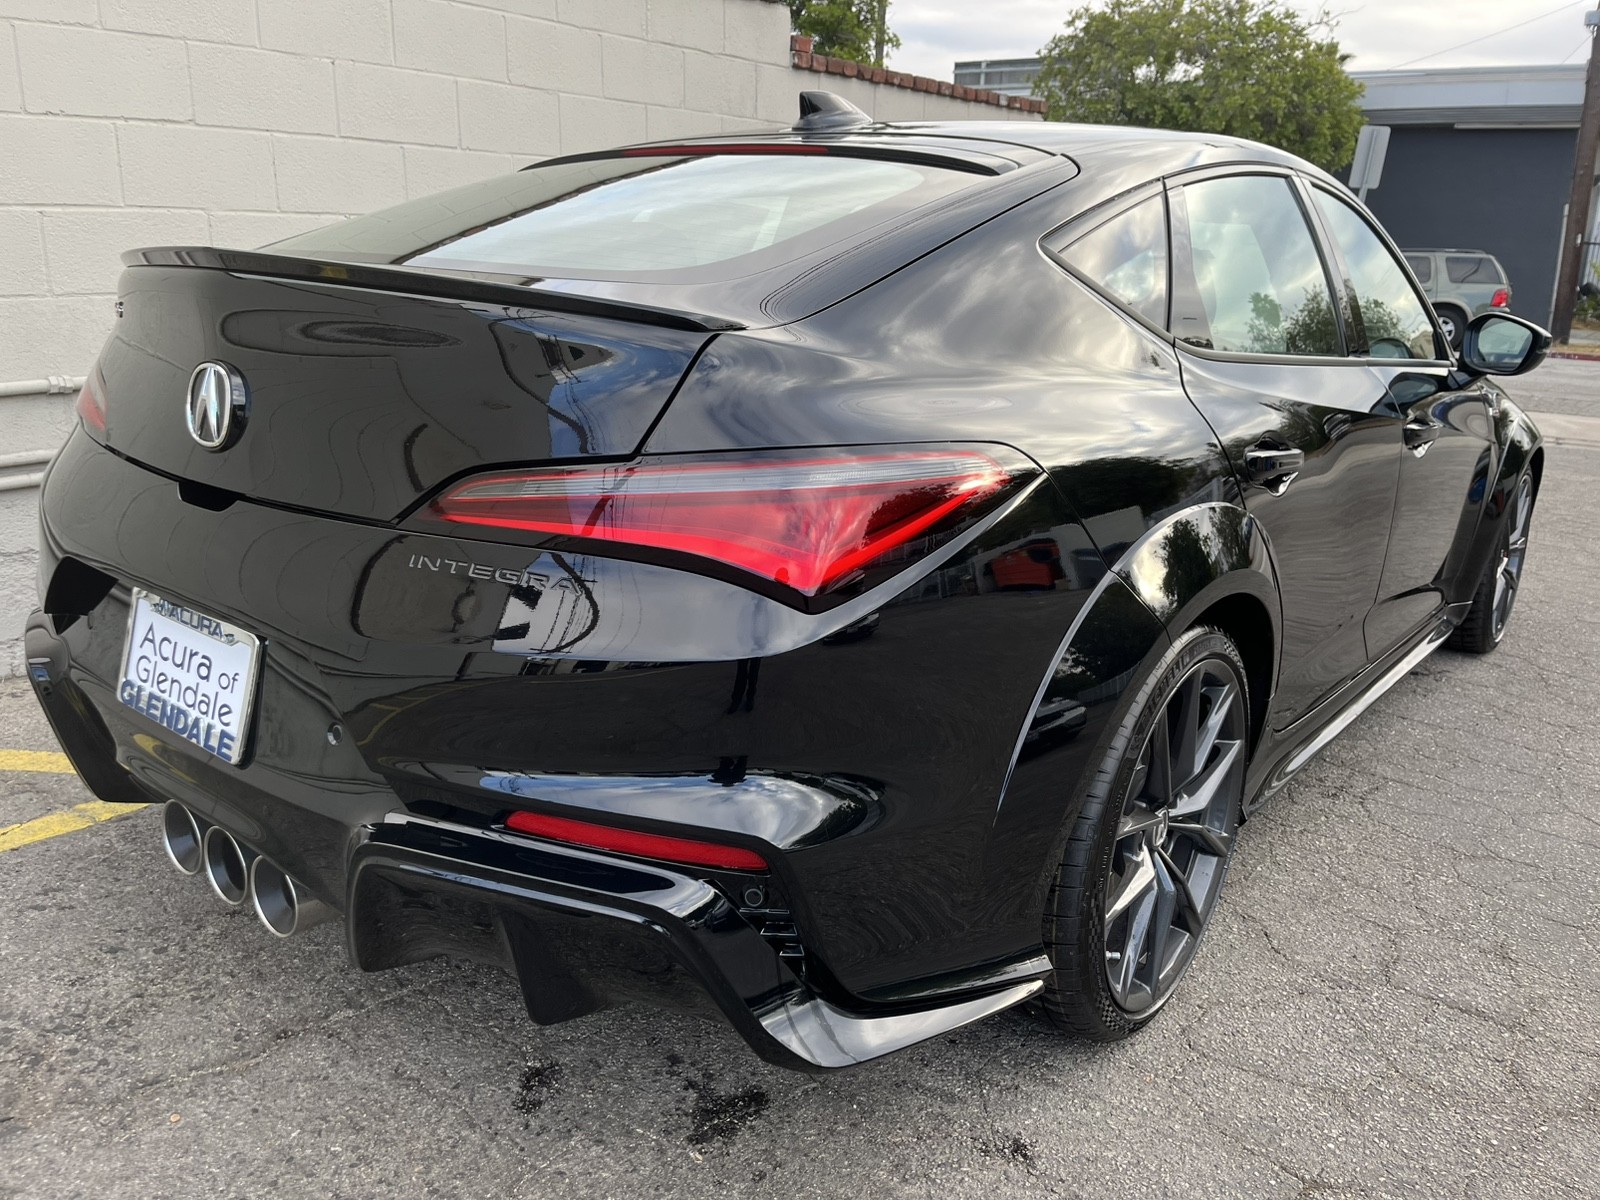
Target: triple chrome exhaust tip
(283, 905)
(238, 873)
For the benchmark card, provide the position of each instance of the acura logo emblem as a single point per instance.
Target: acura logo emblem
(215, 406)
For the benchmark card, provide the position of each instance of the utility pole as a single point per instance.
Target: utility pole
(880, 30)
(1572, 247)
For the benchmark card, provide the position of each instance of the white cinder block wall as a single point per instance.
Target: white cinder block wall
(236, 122)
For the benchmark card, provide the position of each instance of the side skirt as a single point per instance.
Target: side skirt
(1289, 764)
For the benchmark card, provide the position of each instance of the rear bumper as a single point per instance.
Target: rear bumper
(579, 930)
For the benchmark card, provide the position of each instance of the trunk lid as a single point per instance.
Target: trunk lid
(367, 392)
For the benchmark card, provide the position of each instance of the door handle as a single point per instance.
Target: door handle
(1273, 469)
(1420, 433)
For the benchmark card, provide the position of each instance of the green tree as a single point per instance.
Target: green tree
(854, 29)
(1245, 68)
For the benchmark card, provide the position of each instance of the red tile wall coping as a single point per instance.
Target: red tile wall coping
(800, 49)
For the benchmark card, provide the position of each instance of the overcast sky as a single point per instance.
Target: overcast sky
(1379, 33)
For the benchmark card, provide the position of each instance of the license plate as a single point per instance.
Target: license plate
(191, 673)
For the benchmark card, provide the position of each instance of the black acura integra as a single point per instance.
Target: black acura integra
(855, 579)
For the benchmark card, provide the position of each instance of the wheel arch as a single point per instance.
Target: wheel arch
(1212, 565)
(1521, 449)
(1247, 621)
(1208, 564)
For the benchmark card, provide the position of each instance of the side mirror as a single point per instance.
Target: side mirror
(1500, 344)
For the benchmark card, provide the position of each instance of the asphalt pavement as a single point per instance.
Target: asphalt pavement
(1399, 997)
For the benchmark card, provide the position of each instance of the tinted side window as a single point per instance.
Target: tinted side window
(1127, 258)
(1422, 268)
(1397, 324)
(1256, 268)
(1470, 268)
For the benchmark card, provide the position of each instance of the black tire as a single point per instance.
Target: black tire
(1484, 626)
(1454, 323)
(1114, 842)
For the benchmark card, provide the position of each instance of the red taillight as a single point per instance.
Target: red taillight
(1501, 298)
(641, 845)
(804, 522)
(91, 406)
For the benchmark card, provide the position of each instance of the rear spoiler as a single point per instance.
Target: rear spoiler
(445, 286)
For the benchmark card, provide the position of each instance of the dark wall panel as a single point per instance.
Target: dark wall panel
(1500, 190)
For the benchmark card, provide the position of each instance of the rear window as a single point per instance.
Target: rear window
(1471, 268)
(1421, 267)
(694, 218)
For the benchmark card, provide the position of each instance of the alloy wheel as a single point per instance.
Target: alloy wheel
(1508, 576)
(1174, 836)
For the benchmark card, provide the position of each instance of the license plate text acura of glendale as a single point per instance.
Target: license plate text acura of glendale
(854, 579)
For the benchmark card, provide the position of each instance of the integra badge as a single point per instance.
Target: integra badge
(472, 570)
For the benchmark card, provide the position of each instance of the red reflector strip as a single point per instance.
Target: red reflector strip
(724, 148)
(91, 409)
(631, 841)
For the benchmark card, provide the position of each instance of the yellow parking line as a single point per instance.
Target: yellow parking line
(79, 816)
(35, 760)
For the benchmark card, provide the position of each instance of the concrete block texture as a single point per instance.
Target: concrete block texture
(715, 83)
(751, 30)
(355, 29)
(452, 39)
(513, 120)
(97, 73)
(181, 166)
(237, 86)
(58, 160)
(37, 423)
(691, 23)
(591, 124)
(608, 16)
(662, 124)
(194, 20)
(432, 169)
(84, 245)
(252, 230)
(777, 94)
(395, 105)
(546, 10)
(69, 12)
(10, 74)
(22, 261)
(631, 69)
(560, 58)
(47, 329)
(323, 175)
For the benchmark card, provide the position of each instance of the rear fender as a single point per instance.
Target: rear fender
(1198, 564)
(1193, 558)
(1187, 564)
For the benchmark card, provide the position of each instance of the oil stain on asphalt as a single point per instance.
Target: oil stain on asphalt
(718, 1116)
(1017, 1148)
(539, 1083)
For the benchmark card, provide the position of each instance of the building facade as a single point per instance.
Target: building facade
(1480, 158)
(1008, 76)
